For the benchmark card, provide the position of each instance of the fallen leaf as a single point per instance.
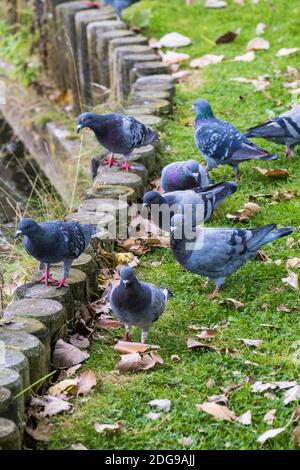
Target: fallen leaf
(128, 347)
(296, 436)
(156, 357)
(210, 383)
(293, 263)
(227, 351)
(226, 38)
(249, 210)
(261, 386)
(245, 419)
(285, 384)
(194, 344)
(161, 404)
(282, 308)
(147, 362)
(260, 28)
(215, 4)
(66, 355)
(41, 432)
(252, 342)
(236, 303)
(86, 381)
(269, 435)
(292, 280)
(217, 411)
(287, 51)
(107, 427)
(205, 60)
(154, 43)
(68, 386)
(248, 57)
(72, 370)
(108, 323)
(269, 417)
(78, 446)
(218, 399)
(51, 405)
(186, 441)
(259, 83)
(172, 57)
(207, 333)
(283, 196)
(175, 358)
(291, 394)
(129, 363)
(172, 40)
(153, 416)
(274, 173)
(79, 341)
(181, 76)
(257, 44)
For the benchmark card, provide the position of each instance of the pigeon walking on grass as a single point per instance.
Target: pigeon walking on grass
(198, 203)
(284, 129)
(179, 176)
(137, 303)
(117, 133)
(54, 242)
(221, 143)
(218, 252)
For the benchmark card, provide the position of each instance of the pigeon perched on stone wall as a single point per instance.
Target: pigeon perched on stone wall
(221, 143)
(284, 129)
(218, 252)
(117, 133)
(54, 242)
(137, 303)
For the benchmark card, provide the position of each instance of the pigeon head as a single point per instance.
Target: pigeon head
(127, 276)
(193, 166)
(27, 227)
(203, 109)
(89, 120)
(153, 197)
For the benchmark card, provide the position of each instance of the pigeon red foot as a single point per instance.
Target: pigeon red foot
(125, 166)
(111, 161)
(93, 5)
(46, 278)
(127, 336)
(62, 283)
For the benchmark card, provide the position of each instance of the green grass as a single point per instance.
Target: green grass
(258, 285)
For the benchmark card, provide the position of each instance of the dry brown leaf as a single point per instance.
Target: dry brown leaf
(296, 436)
(78, 446)
(109, 323)
(248, 57)
(181, 75)
(113, 428)
(207, 333)
(205, 60)
(79, 341)
(218, 399)
(161, 404)
(269, 417)
(156, 357)
(210, 383)
(228, 351)
(128, 347)
(41, 432)
(153, 416)
(172, 40)
(175, 358)
(129, 363)
(260, 83)
(282, 308)
(293, 263)
(252, 342)
(194, 344)
(86, 381)
(292, 280)
(249, 210)
(217, 411)
(236, 303)
(51, 405)
(257, 44)
(269, 435)
(245, 418)
(172, 57)
(147, 362)
(186, 441)
(291, 394)
(287, 51)
(274, 173)
(66, 355)
(226, 38)
(284, 196)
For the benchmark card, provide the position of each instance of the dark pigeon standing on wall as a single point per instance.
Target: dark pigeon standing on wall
(218, 252)
(117, 133)
(119, 5)
(179, 176)
(221, 143)
(137, 303)
(54, 242)
(284, 129)
(199, 203)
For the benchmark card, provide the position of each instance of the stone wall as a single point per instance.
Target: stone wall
(95, 55)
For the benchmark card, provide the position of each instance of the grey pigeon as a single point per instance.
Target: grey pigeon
(179, 176)
(218, 252)
(117, 133)
(137, 303)
(284, 129)
(54, 242)
(199, 203)
(119, 5)
(221, 143)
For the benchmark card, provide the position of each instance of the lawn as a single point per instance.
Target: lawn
(258, 285)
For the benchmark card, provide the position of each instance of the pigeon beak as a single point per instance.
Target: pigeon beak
(79, 127)
(196, 175)
(125, 283)
(193, 107)
(18, 234)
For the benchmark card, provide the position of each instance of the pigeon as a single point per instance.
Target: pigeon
(179, 176)
(199, 203)
(284, 129)
(218, 252)
(137, 303)
(54, 242)
(117, 133)
(221, 143)
(119, 5)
